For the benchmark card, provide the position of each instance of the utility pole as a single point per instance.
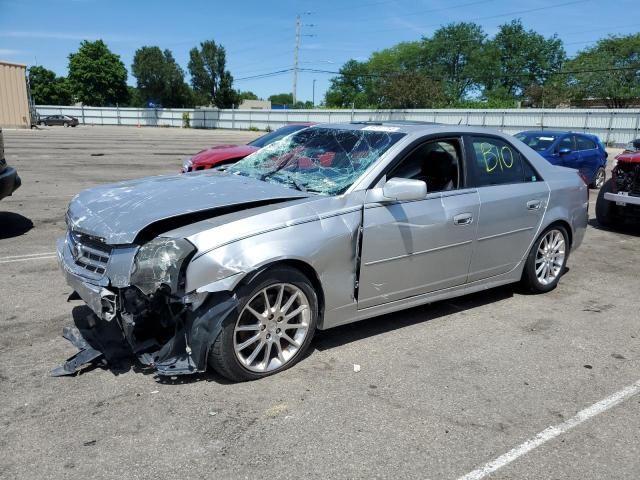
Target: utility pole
(295, 60)
(296, 51)
(313, 101)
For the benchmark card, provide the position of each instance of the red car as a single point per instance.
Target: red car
(225, 154)
(619, 198)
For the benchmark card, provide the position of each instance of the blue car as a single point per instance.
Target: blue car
(586, 153)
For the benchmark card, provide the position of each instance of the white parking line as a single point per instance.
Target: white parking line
(31, 256)
(553, 431)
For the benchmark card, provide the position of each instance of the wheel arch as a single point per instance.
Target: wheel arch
(562, 223)
(303, 267)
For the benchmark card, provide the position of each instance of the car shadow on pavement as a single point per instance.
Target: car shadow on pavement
(106, 336)
(13, 225)
(626, 229)
(371, 327)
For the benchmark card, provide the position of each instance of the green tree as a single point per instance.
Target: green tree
(211, 82)
(612, 71)
(160, 79)
(47, 88)
(411, 90)
(97, 76)
(518, 59)
(281, 99)
(455, 56)
(247, 95)
(353, 87)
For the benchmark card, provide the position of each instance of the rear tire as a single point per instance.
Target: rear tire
(42, 124)
(65, 124)
(599, 179)
(547, 260)
(266, 335)
(606, 213)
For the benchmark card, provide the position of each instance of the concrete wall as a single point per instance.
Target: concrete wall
(616, 126)
(14, 103)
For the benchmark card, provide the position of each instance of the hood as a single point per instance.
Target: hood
(122, 212)
(220, 153)
(631, 157)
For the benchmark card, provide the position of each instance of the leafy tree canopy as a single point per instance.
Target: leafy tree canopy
(160, 79)
(47, 88)
(211, 82)
(97, 76)
(621, 85)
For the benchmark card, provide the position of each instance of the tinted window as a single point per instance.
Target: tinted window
(538, 142)
(496, 162)
(437, 163)
(566, 142)
(583, 143)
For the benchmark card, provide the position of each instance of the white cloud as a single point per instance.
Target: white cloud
(43, 35)
(8, 52)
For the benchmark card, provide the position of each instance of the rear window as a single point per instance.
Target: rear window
(538, 142)
(584, 143)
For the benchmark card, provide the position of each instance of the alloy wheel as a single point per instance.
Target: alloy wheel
(550, 257)
(272, 327)
(600, 178)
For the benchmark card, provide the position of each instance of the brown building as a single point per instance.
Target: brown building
(14, 97)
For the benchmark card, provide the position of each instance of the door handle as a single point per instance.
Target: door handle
(463, 219)
(534, 204)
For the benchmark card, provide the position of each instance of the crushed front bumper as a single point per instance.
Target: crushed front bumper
(185, 351)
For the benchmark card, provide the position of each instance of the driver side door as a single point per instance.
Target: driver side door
(416, 247)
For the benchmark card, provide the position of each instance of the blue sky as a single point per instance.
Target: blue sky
(259, 35)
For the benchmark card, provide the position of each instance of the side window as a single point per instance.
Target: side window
(583, 143)
(567, 142)
(497, 162)
(436, 162)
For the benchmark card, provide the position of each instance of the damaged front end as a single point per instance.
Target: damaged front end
(142, 290)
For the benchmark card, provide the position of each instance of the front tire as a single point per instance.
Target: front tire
(275, 322)
(42, 124)
(547, 260)
(65, 124)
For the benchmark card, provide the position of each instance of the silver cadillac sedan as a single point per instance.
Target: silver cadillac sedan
(336, 223)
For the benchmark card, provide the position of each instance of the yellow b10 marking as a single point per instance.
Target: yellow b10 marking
(493, 157)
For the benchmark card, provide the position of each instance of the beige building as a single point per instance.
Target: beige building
(255, 105)
(14, 98)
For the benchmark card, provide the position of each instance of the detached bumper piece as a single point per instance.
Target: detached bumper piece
(115, 344)
(85, 357)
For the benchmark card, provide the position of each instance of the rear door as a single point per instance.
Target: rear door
(589, 156)
(568, 158)
(513, 199)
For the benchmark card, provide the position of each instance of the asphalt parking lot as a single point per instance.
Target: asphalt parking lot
(443, 390)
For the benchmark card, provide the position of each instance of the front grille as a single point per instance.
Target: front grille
(88, 253)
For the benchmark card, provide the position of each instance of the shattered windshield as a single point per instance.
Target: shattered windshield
(277, 135)
(318, 160)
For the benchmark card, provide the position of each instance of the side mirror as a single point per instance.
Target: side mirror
(398, 189)
(564, 151)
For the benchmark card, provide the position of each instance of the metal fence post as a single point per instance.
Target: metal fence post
(542, 119)
(637, 125)
(609, 128)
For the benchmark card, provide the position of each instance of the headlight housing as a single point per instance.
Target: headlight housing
(159, 262)
(187, 164)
